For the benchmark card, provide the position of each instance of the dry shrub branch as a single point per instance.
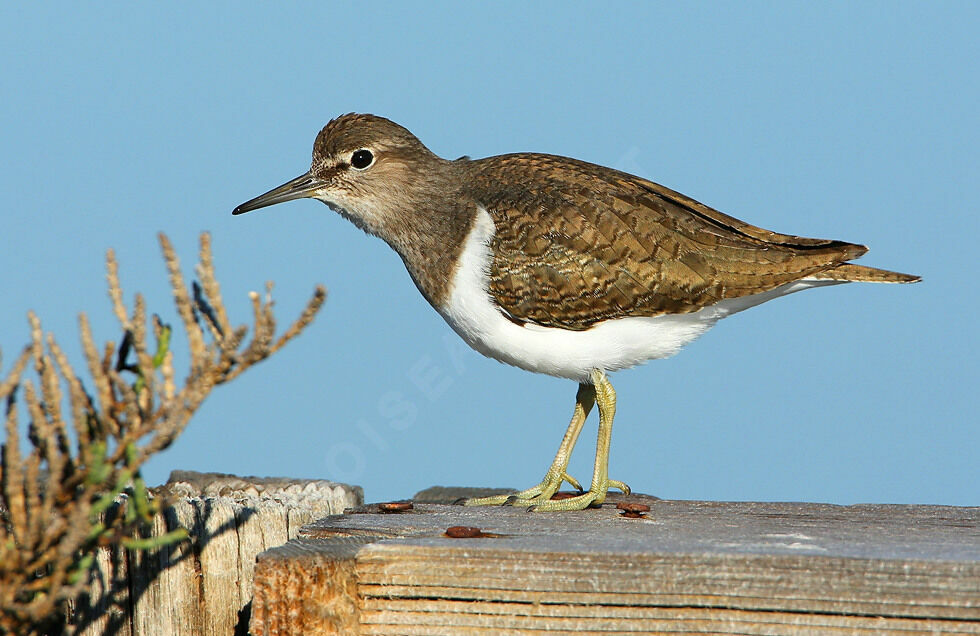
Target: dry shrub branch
(54, 492)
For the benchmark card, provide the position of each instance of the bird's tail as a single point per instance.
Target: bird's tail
(848, 272)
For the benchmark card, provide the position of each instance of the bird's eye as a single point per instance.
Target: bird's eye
(361, 159)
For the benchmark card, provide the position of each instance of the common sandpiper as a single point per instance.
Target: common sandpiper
(559, 266)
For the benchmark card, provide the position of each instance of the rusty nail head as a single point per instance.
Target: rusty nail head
(633, 507)
(633, 510)
(395, 506)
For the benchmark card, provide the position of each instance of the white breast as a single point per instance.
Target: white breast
(609, 345)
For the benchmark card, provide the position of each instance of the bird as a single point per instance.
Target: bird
(559, 266)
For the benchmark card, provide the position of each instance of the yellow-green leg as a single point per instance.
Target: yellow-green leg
(605, 397)
(538, 497)
(556, 474)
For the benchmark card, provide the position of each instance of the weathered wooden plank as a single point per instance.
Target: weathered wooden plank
(95, 612)
(204, 586)
(440, 618)
(164, 584)
(758, 582)
(219, 562)
(303, 590)
(687, 567)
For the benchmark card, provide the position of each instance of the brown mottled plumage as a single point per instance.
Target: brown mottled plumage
(578, 243)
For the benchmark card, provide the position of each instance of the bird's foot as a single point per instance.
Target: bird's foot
(593, 498)
(530, 497)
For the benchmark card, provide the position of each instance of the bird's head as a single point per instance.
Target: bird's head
(365, 167)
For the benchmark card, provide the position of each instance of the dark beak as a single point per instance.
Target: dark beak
(301, 187)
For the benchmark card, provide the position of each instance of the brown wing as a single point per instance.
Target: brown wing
(577, 243)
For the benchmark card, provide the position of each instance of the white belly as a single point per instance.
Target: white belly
(609, 345)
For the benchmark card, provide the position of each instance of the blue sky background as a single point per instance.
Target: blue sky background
(853, 121)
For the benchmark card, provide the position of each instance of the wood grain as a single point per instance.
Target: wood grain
(204, 586)
(688, 567)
